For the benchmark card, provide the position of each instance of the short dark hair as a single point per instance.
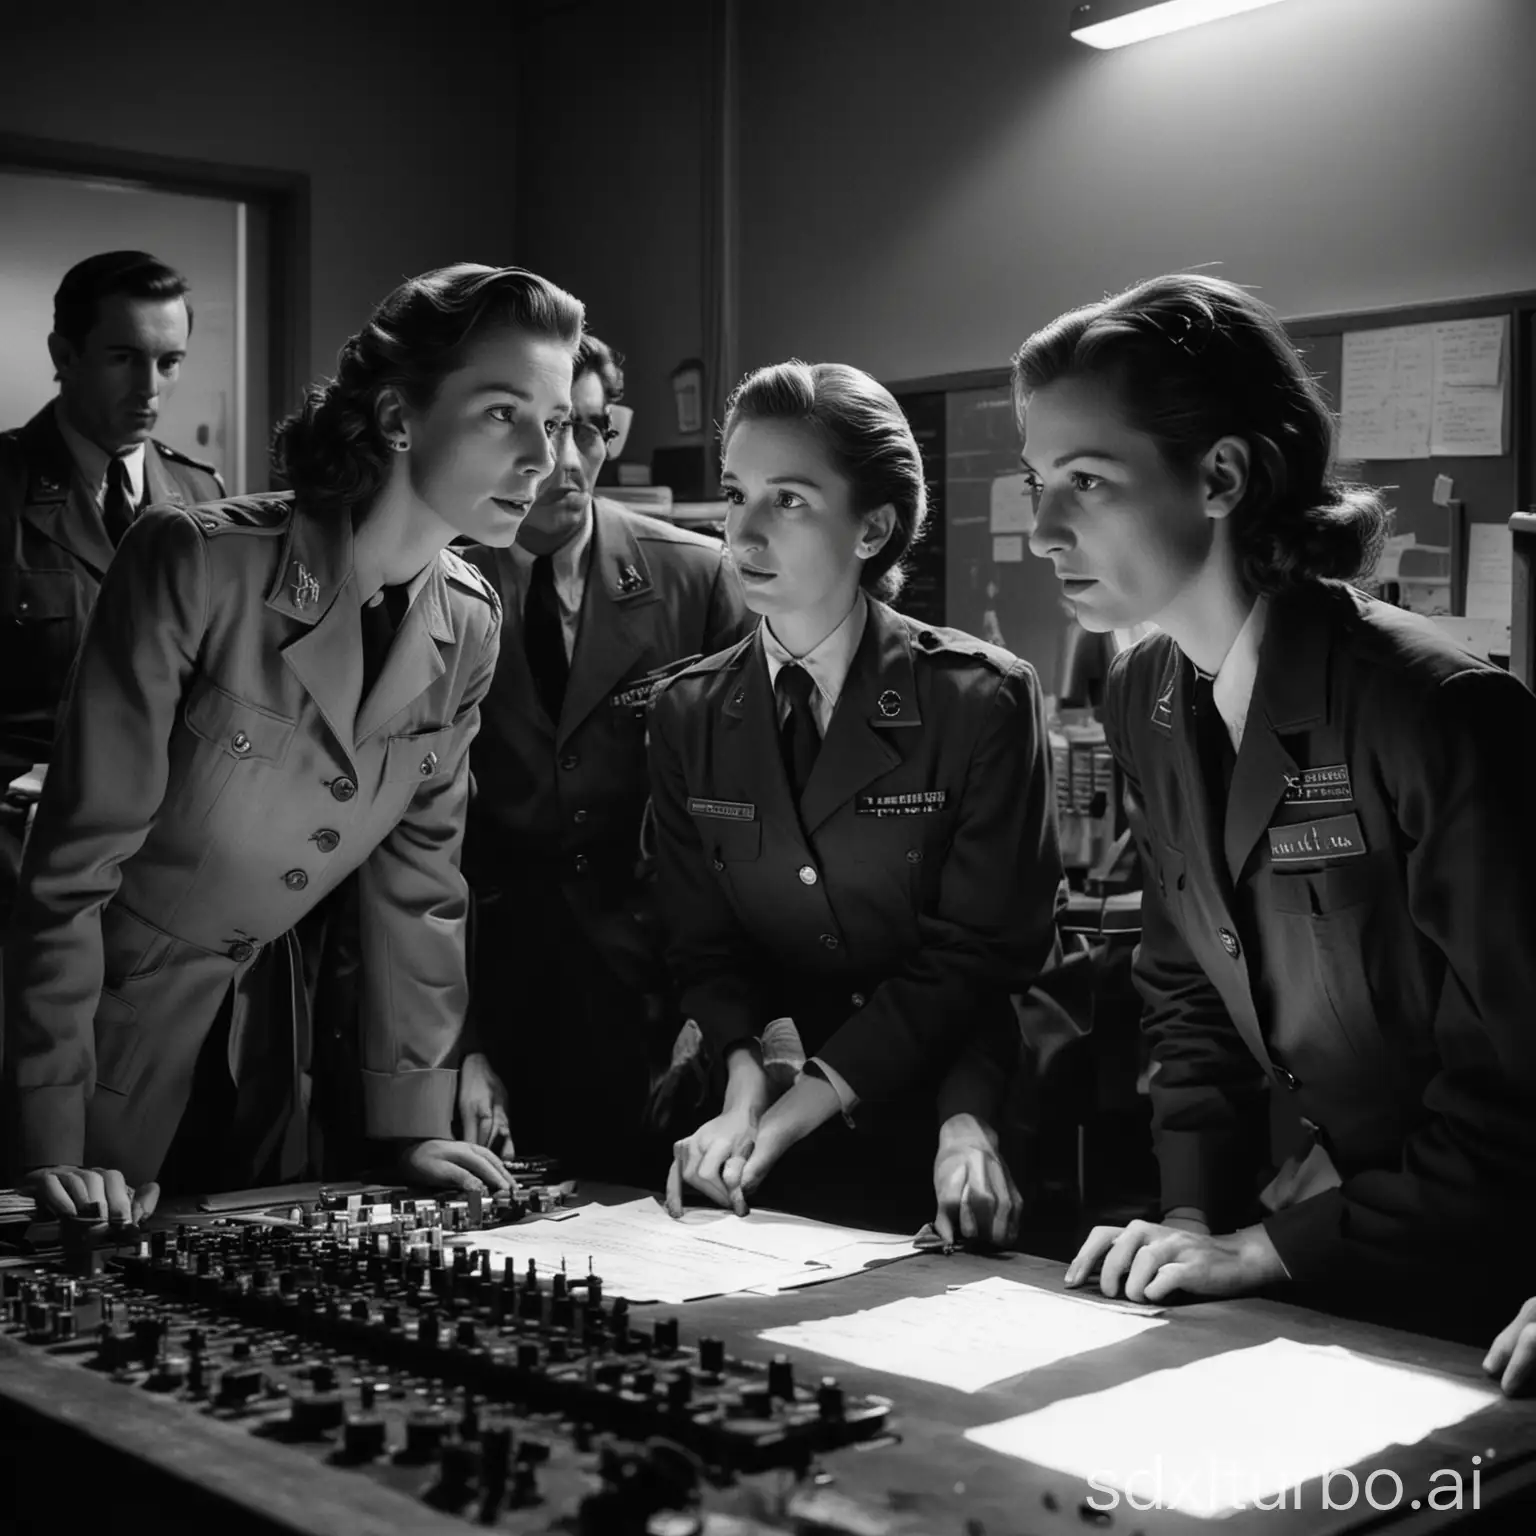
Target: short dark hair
(594, 356)
(1195, 358)
(331, 451)
(869, 439)
(133, 274)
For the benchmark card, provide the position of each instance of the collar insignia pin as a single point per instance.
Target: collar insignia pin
(630, 579)
(889, 703)
(306, 590)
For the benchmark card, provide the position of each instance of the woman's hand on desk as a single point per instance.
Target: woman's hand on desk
(443, 1164)
(1513, 1356)
(977, 1198)
(1149, 1261)
(67, 1190)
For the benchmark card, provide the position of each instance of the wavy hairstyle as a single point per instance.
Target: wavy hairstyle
(1194, 359)
(131, 274)
(332, 451)
(868, 438)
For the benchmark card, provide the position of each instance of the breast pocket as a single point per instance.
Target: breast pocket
(46, 610)
(1325, 920)
(227, 738)
(416, 762)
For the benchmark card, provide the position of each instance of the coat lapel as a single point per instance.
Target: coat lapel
(58, 504)
(1289, 696)
(747, 761)
(612, 636)
(858, 749)
(314, 585)
(513, 684)
(159, 489)
(415, 659)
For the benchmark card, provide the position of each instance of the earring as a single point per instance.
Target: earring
(399, 444)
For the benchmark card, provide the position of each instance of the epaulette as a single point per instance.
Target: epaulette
(244, 514)
(178, 457)
(937, 642)
(706, 666)
(462, 574)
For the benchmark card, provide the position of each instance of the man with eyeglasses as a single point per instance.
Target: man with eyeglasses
(600, 605)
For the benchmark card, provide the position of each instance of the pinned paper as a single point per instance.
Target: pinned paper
(1012, 507)
(1490, 571)
(1008, 549)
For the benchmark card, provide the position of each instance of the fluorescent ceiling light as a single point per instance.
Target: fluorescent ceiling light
(1114, 23)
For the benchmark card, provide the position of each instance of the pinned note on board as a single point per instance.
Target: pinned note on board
(1441, 495)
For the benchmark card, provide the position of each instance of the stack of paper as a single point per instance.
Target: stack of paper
(643, 1254)
(972, 1335)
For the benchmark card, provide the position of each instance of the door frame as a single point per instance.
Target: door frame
(283, 196)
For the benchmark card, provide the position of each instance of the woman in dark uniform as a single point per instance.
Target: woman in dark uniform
(276, 692)
(856, 844)
(1333, 807)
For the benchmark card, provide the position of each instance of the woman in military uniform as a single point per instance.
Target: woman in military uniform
(856, 844)
(274, 693)
(1333, 807)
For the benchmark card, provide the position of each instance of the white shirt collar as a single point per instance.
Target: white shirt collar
(1232, 687)
(829, 662)
(92, 460)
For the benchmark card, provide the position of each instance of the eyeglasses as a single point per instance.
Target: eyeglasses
(590, 436)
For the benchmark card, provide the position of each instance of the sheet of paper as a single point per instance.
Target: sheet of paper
(1490, 571)
(1390, 563)
(1468, 423)
(1233, 1429)
(972, 1335)
(1471, 353)
(1387, 393)
(643, 1255)
(1012, 510)
(1008, 549)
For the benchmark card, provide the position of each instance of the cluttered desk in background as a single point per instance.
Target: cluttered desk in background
(359, 1361)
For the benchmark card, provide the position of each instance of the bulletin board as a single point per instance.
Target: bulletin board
(969, 442)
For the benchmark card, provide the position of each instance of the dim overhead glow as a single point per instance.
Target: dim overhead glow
(1115, 23)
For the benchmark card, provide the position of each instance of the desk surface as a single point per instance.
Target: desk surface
(933, 1481)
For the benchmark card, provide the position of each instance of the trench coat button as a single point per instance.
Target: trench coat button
(23, 606)
(857, 999)
(830, 940)
(295, 879)
(569, 761)
(914, 855)
(1287, 1079)
(583, 863)
(1228, 941)
(241, 952)
(326, 840)
(807, 874)
(343, 788)
(240, 743)
(579, 817)
(429, 765)
(718, 863)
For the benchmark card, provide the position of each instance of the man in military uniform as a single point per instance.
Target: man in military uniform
(72, 480)
(601, 605)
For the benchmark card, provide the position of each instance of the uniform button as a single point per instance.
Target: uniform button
(830, 940)
(429, 765)
(241, 951)
(583, 863)
(343, 788)
(807, 874)
(718, 863)
(857, 999)
(579, 817)
(295, 879)
(240, 743)
(326, 840)
(569, 761)
(1228, 941)
(23, 606)
(914, 856)
(1286, 1079)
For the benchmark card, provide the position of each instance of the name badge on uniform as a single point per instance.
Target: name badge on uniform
(724, 810)
(1319, 786)
(1308, 842)
(920, 802)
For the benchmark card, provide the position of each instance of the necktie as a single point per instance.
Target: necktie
(1217, 756)
(799, 738)
(544, 637)
(117, 509)
(381, 618)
